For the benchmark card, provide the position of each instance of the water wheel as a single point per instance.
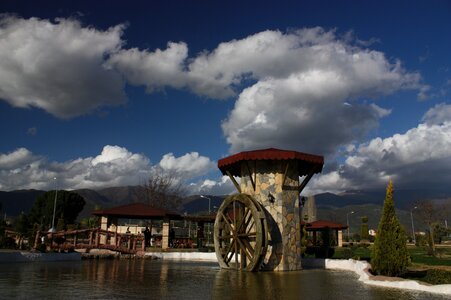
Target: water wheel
(241, 233)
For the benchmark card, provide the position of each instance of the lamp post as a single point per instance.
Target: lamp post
(209, 211)
(413, 228)
(347, 221)
(54, 207)
(209, 202)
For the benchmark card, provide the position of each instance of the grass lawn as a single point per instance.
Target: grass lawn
(419, 256)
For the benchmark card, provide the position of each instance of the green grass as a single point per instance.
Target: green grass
(359, 253)
(418, 255)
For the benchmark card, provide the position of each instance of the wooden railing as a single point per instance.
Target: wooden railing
(94, 238)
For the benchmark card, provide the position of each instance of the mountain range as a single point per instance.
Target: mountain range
(333, 207)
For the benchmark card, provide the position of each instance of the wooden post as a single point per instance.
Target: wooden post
(75, 240)
(36, 239)
(97, 238)
(90, 238)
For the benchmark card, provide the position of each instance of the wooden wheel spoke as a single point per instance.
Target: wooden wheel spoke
(243, 221)
(248, 234)
(227, 220)
(230, 250)
(225, 237)
(247, 248)
(251, 226)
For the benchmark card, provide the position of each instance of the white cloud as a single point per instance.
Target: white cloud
(153, 69)
(421, 157)
(439, 114)
(222, 186)
(58, 66)
(310, 91)
(190, 165)
(114, 166)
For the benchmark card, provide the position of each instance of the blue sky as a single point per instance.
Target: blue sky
(103, 94)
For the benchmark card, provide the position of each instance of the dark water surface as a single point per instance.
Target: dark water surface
(146, 279)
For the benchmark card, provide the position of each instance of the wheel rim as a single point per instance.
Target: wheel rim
(240, 233)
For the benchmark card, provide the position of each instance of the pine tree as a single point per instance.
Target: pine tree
(390, 256)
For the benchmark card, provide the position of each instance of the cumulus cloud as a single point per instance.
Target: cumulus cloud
(439, 114)
(155, 69)
(190, 165)
(114, 166)
(288, 85)
(309, 98)
(419, 157)
(58, 66)
(222, 186)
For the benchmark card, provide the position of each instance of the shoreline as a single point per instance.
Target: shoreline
(361, 268)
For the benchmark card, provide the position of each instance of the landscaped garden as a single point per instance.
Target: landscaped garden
(424, 267)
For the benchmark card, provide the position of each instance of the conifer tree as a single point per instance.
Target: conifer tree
(390, 256)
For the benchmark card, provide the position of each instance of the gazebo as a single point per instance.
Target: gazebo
(109, 218)
(323, 225)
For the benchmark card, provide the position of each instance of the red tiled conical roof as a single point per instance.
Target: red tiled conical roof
(307, 161)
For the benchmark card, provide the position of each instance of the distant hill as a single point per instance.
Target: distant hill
(16, 202)
(404, 199)
(197, 204)
(330, 206)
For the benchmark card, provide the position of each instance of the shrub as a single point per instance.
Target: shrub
(390, 255)
(435, 276)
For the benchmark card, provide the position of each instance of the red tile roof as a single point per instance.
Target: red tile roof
(322, 224)
(137, 211)
(305, 161)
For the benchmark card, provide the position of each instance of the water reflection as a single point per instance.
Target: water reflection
(141, 279)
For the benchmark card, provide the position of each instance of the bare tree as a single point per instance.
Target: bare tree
(431, 213)
(163, 190)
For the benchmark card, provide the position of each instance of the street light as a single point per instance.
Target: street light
(209, 211)
(54, 207)
(413, 228)
(209, 202)
(347, 221)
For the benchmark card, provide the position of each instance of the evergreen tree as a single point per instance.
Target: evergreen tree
(68, 206)
(390, 256)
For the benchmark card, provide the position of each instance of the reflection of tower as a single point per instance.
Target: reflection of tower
(309, 210)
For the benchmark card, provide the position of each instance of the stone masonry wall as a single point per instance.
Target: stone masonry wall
(282, 208)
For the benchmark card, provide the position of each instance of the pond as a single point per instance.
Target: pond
(152, 279)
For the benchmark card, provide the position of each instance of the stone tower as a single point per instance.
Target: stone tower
(271, 176)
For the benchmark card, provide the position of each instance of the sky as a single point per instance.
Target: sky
(106, 93)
